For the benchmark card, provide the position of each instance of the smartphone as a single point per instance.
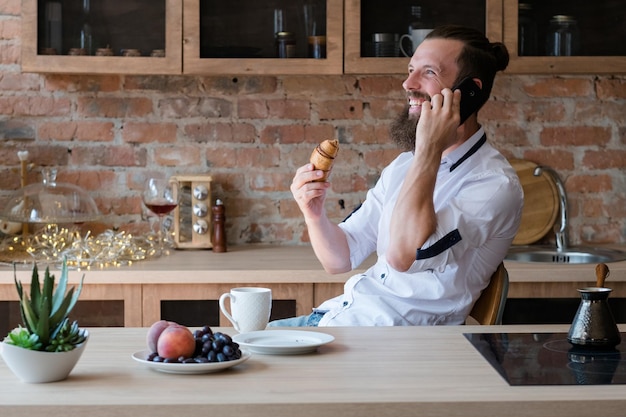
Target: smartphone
(471, 97)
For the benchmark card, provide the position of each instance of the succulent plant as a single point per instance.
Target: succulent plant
(46, 325)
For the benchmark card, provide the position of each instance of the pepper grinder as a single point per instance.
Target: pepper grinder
(219, 234)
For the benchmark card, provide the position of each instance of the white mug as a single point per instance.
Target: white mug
(250, 307)
(416, 37)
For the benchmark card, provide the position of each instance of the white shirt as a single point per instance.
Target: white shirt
(478, 204)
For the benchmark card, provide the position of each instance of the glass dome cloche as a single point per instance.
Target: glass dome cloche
(50, 202)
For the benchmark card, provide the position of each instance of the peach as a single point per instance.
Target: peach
(176, 341)
(155, 331)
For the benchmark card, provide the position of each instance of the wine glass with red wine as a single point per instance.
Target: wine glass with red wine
(161, 196)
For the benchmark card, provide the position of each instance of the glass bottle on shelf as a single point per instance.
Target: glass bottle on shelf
(563, 36)
(86, 34)
(53, 29)
(527, 31)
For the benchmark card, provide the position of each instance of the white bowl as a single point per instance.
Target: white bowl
(36, 367)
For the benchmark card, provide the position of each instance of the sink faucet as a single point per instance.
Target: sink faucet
(560, 231)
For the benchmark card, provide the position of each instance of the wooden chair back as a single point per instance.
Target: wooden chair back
(489, 307)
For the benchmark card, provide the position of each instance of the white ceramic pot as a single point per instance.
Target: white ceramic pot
(36, 367)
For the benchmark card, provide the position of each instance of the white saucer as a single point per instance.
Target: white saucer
(282, 342)
(189, 368)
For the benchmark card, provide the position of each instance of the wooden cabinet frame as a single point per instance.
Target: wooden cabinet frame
(552, 64)
(355, 64)
(332, 64)
(170, 64)
(343, 49)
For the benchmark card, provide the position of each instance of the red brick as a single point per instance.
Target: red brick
(589, 183)
(377, 158)
(615, 158)
(57, 131)
(385, 109)
(221, 132)
(185, 107)
(258, 232)
(34, 106)
(366, 134)
(253, 108)
(543, 112)
(560, 87)
(288, 109)
(10, 29)
(508, 134)
(577, 136)
(593, 207)
(9, 54)
(317, 133)
(90, 180)
(348, 183)
(319, 86)
(288, 209)
(109, 156)
(339, 109)
(177, 156)
(611, 88)
(14, 81)
(113, 107)
(137, 132)
(83, 83)
(243, 157)
(269, 181)
(164, 85)
(559, 160)
(602, 233)
(11, 7)
(382, 86)
(242, 85)
(595, 112)
(283, 134)
(258, 208)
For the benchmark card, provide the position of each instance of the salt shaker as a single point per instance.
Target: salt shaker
(219, 233)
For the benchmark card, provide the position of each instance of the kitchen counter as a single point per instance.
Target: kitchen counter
(385, 371)
(292, 272)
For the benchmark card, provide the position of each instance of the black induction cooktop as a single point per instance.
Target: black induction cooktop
(549, 359)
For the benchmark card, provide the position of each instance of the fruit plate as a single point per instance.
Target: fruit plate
(189, 368)
(282, 342)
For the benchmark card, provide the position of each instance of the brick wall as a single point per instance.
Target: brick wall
(108, 133)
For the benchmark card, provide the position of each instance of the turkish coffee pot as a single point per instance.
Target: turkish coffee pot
(594, 325)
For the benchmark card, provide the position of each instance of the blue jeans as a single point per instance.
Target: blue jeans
(310, 320)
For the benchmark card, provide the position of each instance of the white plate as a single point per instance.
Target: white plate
(282, 342)
(189, 368)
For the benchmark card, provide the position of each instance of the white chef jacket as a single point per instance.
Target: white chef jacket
(478, 202)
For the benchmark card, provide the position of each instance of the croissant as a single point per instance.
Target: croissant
(323, 157)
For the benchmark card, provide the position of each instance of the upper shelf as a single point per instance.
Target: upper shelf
(216, 37)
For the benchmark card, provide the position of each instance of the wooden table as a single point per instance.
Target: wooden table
(292, 272)
(388, 371)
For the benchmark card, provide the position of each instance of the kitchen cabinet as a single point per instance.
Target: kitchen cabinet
(223, 37)
(52, 31)
(216, 37)
(365, 18)
(601, 32)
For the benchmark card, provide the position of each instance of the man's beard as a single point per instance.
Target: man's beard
(402, 130)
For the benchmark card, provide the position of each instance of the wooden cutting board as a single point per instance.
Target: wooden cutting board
(541, 203)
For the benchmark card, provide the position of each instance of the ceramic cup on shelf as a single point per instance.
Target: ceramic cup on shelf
(250, 308)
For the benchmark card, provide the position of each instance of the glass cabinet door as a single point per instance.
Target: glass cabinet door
(566, 36)
(269, 37)
(102, 36)
(381, 34)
